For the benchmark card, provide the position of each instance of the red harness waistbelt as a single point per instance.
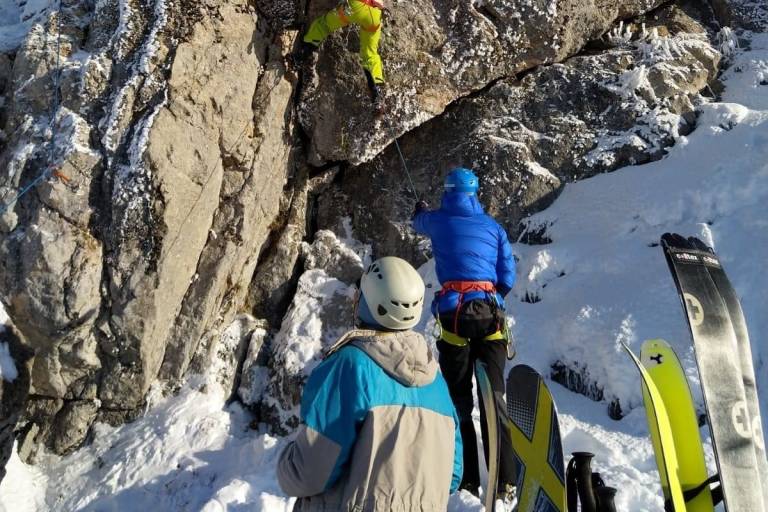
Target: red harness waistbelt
(372, 3)
(469, 286)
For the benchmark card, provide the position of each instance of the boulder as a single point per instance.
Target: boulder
(526, 138)
(224, 355)
(322, 311)
(253, 377)
(274, 282)
(159, 177)
(434, 54)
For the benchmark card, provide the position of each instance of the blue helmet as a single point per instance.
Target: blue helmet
(462, 180)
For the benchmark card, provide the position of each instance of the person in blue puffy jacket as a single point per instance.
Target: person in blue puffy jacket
(476, 269)
(379, 430)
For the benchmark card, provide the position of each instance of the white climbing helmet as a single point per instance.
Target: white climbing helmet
(394, 293)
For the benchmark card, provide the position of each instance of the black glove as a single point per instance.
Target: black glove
(420, 206)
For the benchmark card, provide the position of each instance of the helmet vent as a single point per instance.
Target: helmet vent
(395, 303)
(407, 318)
(381, 310)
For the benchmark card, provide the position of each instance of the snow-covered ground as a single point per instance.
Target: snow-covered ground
(601, 281)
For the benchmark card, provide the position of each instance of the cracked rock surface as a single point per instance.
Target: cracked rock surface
(198, 192)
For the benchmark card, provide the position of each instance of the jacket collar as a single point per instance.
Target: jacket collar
(461, 204)
(404, 355)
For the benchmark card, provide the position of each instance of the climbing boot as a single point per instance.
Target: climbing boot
(302, 54)
(377, 94)
(379, 107)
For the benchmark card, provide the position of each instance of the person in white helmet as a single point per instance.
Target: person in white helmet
(379, 430)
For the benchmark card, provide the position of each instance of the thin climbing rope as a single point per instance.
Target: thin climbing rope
(56, 79)
(407, 172)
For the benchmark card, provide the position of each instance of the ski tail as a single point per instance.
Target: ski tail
(658, 422)
(749, 380)
(492, 420)
(534, 430)
(724, 359)
(572, 490)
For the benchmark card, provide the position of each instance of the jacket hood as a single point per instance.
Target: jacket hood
(404, 355)
(461, 204)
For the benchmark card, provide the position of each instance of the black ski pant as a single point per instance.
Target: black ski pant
(457, 364)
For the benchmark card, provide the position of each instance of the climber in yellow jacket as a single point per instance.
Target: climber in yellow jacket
(366, 14)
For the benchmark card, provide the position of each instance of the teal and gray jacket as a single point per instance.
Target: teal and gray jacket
(379, 430)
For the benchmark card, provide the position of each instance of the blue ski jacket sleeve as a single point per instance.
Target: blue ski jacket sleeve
(467, 244)
(505, 265)
(333, 407)
(346, 397)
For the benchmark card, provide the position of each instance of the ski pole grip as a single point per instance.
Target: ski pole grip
(584, 481)
(606, 498)
(572, 493)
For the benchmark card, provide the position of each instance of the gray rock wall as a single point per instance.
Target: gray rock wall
(592, 113)
(437, 52)
(173, 143)
(180, 173)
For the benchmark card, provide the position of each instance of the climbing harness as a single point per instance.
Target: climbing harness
(462, 288)
(407, 172)
(344, 11)
(50, 169)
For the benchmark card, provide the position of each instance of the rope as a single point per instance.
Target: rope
(407, 173)
(56, 79)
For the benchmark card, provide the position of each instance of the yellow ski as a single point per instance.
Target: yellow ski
(491, 416)
(665, 370)
(538, 451)
(661, 435)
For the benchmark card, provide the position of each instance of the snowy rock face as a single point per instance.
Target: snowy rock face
(171, 150)
(322, 311)
(275, 280)
(177, 190)
(747, 14)
(436, 53)
(14, 388)
(592, 113)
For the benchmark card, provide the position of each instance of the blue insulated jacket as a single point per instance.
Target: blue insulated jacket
(379, 431)
(468, 245)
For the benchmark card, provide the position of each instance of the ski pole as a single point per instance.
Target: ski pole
(583, 472)
(606, 497)
(407, 173)
(572, 492)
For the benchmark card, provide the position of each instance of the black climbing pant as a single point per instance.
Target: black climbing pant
(457, 364)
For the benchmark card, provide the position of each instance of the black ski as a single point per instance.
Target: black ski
(747, 368)
(491, 416)
(720, 368)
